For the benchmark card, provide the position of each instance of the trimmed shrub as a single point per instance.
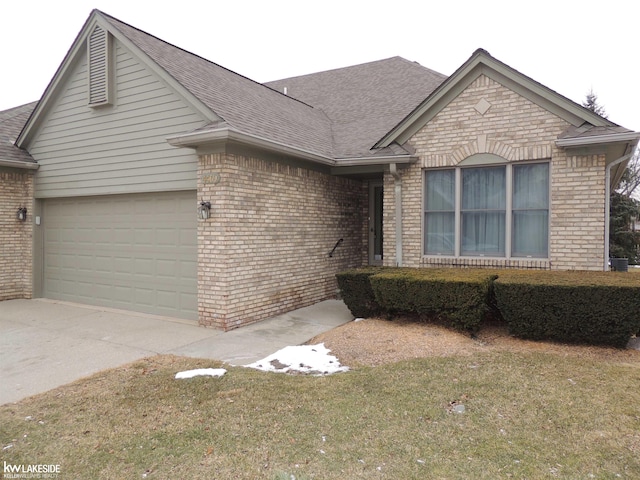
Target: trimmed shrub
(460, 297)
(579, 307)
(356, 292)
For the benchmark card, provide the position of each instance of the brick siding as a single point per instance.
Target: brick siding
(265, 249)
(16, 237)
(517, 130)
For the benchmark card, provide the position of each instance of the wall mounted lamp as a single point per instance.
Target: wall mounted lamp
(22, 214)
(204, 210)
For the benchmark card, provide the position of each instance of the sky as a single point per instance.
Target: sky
(570, 46)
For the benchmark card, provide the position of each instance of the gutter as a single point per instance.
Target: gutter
(18, 164)
(607, 206)
(377, 160)
(397, 198)
(196, 139)
(598, 139)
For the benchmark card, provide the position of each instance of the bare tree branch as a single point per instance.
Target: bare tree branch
(630, 181)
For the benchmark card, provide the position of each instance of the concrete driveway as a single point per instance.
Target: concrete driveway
(45, 343)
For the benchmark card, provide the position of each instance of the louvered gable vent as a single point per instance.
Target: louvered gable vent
(98, 47)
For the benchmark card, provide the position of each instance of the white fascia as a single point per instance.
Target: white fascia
(207, 137)
(598, 139)
(198, 139)
(375, 160)
(18, 164)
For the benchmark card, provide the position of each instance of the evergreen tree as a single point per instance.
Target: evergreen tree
(591, 102)
(623, 238)
(624, 209)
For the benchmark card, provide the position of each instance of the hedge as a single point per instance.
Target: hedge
(459, 297)
(578, 307)
(600, 308)
(356, 291)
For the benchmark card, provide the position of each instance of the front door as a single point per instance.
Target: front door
(375, 223)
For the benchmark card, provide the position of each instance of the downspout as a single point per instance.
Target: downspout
(607, 206)
(397, 181)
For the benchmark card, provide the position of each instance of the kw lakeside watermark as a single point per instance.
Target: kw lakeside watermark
(34, 471)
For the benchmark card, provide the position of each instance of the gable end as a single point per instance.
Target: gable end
(481, 63)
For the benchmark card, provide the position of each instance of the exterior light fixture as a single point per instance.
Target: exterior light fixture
(204, 210)
(22, 214)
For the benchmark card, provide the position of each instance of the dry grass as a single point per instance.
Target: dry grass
(544, 411)
(375, 342)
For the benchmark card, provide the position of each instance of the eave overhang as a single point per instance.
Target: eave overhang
(17, 164)
(617, 148)
(206, 139)
(588, 141)
(220, 136)
(376, 160)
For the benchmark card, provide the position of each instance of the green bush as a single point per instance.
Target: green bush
(356, 292)
(460, 297)
(578, 307)
(600, 308)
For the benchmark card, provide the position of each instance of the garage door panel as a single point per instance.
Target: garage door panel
(166, 298)
(135, 252)
(122, 265)
(189, 269)
(167, 268)
(84, 263)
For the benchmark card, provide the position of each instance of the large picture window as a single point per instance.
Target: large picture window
(496, 210)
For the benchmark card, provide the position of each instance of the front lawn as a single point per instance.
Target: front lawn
(489, 415)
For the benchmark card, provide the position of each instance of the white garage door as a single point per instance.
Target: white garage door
(134, 252)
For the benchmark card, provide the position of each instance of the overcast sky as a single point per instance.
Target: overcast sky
(569, 46)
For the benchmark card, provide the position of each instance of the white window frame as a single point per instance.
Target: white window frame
(485, 160)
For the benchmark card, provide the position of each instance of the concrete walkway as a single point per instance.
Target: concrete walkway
(45, 343)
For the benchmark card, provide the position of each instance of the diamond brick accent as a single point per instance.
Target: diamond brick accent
(482, 106)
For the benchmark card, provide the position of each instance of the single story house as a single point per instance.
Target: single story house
(151, 179)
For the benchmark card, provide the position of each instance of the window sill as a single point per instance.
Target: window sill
(485, 262)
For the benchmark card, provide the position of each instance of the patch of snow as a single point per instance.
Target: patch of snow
(310, 359)
(211, 372)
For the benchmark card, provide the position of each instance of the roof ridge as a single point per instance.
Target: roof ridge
(358, 65)
(414, 62)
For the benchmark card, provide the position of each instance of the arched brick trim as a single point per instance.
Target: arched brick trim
(483, 145)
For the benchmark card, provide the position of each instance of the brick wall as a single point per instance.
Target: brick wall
(16, 190)
(517, 130)
(265, 249)
(577, 212)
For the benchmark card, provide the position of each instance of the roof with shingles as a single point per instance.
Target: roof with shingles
(243, 104)
(588, 130)
(346, 113)
(11, 123)
(364, 101)
(338, 113)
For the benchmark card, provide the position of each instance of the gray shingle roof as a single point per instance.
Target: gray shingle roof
(364, 101)
(588, 130)
(243, 104)
(11, 123)
(339, 113)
